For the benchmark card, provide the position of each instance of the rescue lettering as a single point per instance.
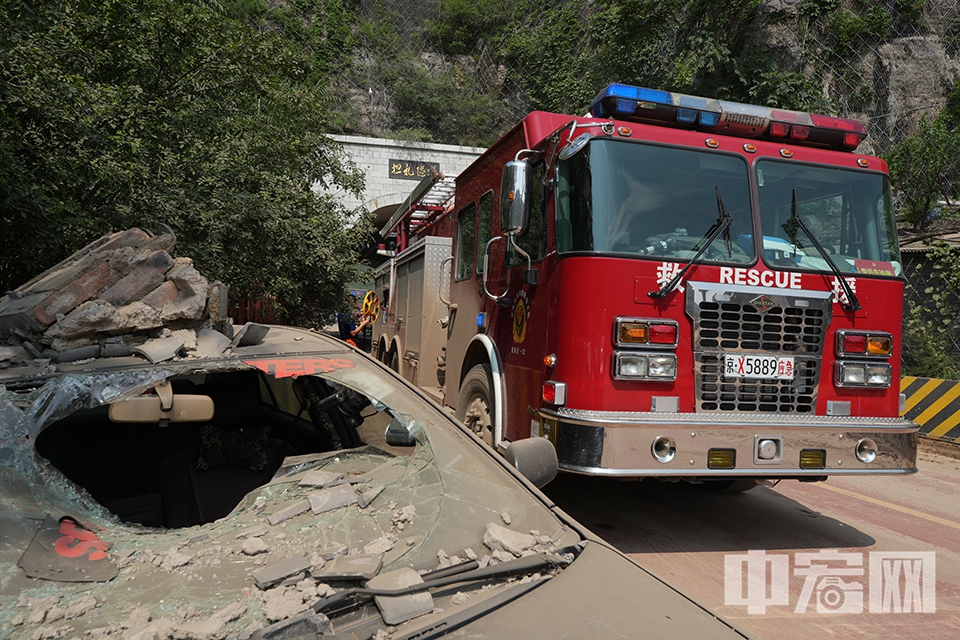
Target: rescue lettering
(755, 278)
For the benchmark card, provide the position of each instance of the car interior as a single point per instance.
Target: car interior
(179, 474)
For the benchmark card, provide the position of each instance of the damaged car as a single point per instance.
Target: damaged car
(166, 475)
(291, 487)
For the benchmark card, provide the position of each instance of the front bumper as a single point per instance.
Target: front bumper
(623, 444)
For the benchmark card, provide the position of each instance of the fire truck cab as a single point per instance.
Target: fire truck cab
(676, 287)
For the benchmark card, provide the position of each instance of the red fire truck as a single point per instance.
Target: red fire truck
(670, 286)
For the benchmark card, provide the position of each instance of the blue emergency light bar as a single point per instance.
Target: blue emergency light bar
(665, 108)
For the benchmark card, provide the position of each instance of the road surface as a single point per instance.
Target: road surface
(853, 557)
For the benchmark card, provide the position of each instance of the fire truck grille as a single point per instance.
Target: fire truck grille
(734, 327)
(716, 393)
(746, 323)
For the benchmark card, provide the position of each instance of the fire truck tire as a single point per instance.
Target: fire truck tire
(736, 485)
(475, 406)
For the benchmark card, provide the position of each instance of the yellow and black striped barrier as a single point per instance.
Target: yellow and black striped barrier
(934, 404)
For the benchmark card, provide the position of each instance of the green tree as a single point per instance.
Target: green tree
(115, 113)
(925, 169)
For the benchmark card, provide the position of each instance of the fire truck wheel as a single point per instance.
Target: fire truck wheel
(476, 404)
(736, 485)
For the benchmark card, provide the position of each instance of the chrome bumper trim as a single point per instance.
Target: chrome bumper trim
(620, 444)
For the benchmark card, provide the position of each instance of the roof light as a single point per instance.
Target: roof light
(779, 129)
(665, 108)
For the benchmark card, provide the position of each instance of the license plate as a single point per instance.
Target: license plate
(758, 367)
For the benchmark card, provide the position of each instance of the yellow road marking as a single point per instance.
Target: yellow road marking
(895, 507)
(921, 393)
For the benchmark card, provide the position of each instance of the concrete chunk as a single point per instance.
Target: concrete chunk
(278, 572)
(333, 498)
(497, 538)
(295, 509)
(319, 478)
(362, 567)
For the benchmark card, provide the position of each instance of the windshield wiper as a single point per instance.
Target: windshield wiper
(722, 225)
(468, 572)
(791, 226)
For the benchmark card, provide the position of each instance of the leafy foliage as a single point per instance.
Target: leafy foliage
(926, 169)
(119, 113)
(931, 338)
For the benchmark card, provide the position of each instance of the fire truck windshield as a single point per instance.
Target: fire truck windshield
(850, 213)
(638, 199)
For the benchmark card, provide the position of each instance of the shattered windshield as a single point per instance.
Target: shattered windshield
(639, 199)
(286, 494)
(850, 213)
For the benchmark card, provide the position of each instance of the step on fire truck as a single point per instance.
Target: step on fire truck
(670, 286)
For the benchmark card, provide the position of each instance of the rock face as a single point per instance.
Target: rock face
(107, 298)
(890, 86)
(916, 75)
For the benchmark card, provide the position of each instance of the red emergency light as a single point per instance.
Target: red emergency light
(665, 108)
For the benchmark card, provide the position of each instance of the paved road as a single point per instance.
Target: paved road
(856, 533)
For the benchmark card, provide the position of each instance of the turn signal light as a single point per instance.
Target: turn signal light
(861, 343)
(879, 345)
(629, 332)
(721, 459)
(634, 333)
(813, 458)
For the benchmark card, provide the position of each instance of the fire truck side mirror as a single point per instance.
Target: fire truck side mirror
(515, 190)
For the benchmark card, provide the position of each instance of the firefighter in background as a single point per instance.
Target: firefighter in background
(346, 320)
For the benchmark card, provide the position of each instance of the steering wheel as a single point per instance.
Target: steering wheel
(675, 244)
(371, 305)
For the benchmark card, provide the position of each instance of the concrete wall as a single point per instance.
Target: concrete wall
(393, 168)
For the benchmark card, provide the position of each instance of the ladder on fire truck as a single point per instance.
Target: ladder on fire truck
(429, 199)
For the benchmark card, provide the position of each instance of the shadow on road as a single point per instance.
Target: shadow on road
(660, 517)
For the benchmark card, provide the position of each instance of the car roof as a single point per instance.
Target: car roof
(282, 341)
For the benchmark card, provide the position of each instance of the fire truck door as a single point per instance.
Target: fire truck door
(519, 326)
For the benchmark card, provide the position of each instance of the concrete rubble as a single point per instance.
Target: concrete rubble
(121, 295)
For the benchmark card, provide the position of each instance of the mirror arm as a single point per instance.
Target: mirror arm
(164, 391)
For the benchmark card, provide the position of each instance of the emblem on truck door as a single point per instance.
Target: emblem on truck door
(520, 313)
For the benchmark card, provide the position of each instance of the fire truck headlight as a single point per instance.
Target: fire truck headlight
(631, 365)
(663, 367)
(852, 374)
(864, 374)
(879, 375)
